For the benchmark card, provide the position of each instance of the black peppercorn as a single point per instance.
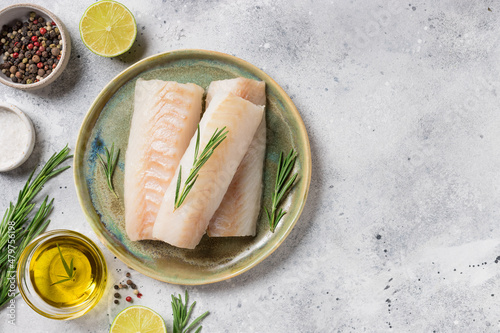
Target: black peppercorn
(24, 62)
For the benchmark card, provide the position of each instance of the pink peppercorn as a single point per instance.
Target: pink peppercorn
(128, 299)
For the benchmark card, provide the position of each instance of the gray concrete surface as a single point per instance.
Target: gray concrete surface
(400, 232)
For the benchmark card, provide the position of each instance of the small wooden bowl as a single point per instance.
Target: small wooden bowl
(20, 12)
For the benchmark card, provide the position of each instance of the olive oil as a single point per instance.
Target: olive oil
(47, 270)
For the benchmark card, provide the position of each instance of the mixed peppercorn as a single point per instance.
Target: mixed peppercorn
(31, 50)
(126, 285)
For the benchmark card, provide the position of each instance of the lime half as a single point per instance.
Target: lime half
(138, 319)
(108, 28)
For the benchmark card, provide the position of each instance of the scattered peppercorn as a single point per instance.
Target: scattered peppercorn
(117, 295)
(35, 44)
(117, 301)
(129, 282)
(128, 274)
(133, 286)
(116, 287)
(128, 299)
(136, 291)
(139, 295)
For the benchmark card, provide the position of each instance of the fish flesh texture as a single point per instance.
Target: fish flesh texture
(185, 226)
(165, 118)
(239, 210)
(251, 90)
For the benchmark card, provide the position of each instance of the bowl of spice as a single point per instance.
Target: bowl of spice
(17, 137)
(35, 47)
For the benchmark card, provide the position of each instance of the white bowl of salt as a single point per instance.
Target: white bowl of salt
(17, 137)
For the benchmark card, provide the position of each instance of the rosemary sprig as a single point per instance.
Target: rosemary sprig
(16, 221)
(109, 166)
(70, 271)
(199, 161)
(181, 315)
(281, 187)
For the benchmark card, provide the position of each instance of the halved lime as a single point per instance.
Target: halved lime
(108, 28)
(138, 319)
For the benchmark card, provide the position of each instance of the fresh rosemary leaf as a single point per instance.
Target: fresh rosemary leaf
(24, 228)
(181, 315)
(282, 185)
(70, 273)
(109, 165)
(199, 161)
(61, 281)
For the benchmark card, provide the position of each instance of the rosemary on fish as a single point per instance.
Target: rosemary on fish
(181, 315)
(17, 229)
(199, 161)
(283, 183)
(70, 270)
(109, 166)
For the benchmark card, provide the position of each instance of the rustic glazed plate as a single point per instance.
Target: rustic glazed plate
(108, 122)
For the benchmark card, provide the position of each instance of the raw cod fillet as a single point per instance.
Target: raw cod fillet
(239, 210)
(251, 90)
(185, 226)
(165, 118)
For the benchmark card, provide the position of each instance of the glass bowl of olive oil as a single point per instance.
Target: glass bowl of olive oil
(62, 274)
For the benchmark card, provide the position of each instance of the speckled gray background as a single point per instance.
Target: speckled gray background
(400, 232)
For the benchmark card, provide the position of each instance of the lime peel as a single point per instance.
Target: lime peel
(108, 28)
(138, 319)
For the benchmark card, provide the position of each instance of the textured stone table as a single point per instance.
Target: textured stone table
(400, 232)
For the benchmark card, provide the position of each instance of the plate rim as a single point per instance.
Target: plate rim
(83, 191)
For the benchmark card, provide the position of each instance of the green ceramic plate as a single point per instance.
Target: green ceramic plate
(108, 121)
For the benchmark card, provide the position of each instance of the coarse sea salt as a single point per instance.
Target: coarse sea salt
(14, 138)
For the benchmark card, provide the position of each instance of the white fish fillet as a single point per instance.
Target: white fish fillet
(251, 90)
(185, 226)
(165, 118)
(239, 210)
